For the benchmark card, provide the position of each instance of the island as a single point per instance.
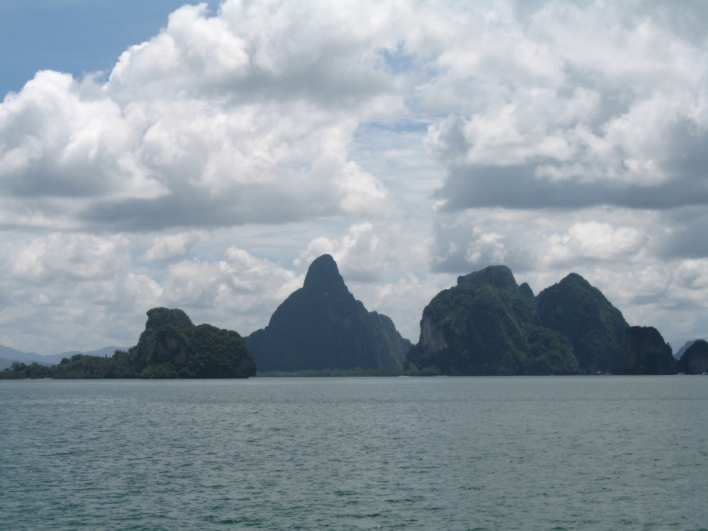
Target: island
(170, 347)
(485, 325)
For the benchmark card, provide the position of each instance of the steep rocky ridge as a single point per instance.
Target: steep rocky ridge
(487, 325)
(322, 326)
(595, 328)
(695, 359)
(684, 348)
(648, 353)
(172, 346)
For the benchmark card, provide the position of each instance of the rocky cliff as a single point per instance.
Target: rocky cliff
(487, 325)
(647, 352)
(322, 326)
(172, 346)
(683, 349)
(695, 359)
(594, 327)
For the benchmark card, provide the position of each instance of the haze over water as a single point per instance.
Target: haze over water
(356, 453)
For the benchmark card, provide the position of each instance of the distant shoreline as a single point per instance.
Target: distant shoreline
(352, 374)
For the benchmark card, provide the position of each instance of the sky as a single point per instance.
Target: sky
(200, 156)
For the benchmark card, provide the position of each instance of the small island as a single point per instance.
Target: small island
(170, 347)
(488, 325)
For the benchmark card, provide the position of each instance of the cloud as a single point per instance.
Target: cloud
(402, 299)
(596, 241)
(57, 139)
(622, 252)
(686, 229)
(247, 116)
(65, 291)
(386, 267)
(552, 136)
(267, 51)
(238, 292)
(69, 291)
(169, 247)
(210, 123)
(368, 253)
(547, 240)
(75, 258)
(594, 104)
(62, 289)
(360, 254)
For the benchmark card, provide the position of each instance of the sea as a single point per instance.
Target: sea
(488, 453)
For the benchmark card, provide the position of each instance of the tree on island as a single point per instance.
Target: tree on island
(489, 325)
(170, 347)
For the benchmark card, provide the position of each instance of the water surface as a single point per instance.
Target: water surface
(355, 453)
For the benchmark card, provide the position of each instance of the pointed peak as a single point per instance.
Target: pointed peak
(323, 273)
(699, 345)
(526, 290)
(574, 278)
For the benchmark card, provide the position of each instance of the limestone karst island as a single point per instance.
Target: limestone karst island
(486, 325)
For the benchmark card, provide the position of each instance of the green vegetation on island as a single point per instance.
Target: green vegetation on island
(594, 327)
(170, 347)
(485, 325)
(488, 325)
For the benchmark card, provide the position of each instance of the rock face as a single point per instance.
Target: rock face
(322, 326)
(695, 359)
(595, 328)
(526, 290)
(488, 325)
(683, 349)
(172, 347)
(648, 353)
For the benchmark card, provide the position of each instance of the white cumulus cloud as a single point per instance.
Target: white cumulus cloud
(214, 161)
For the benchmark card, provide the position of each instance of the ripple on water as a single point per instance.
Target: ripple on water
(359, 453)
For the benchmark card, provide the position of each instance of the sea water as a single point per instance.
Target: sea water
(355, 453)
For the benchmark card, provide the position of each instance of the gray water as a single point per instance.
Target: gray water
(355, 453)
